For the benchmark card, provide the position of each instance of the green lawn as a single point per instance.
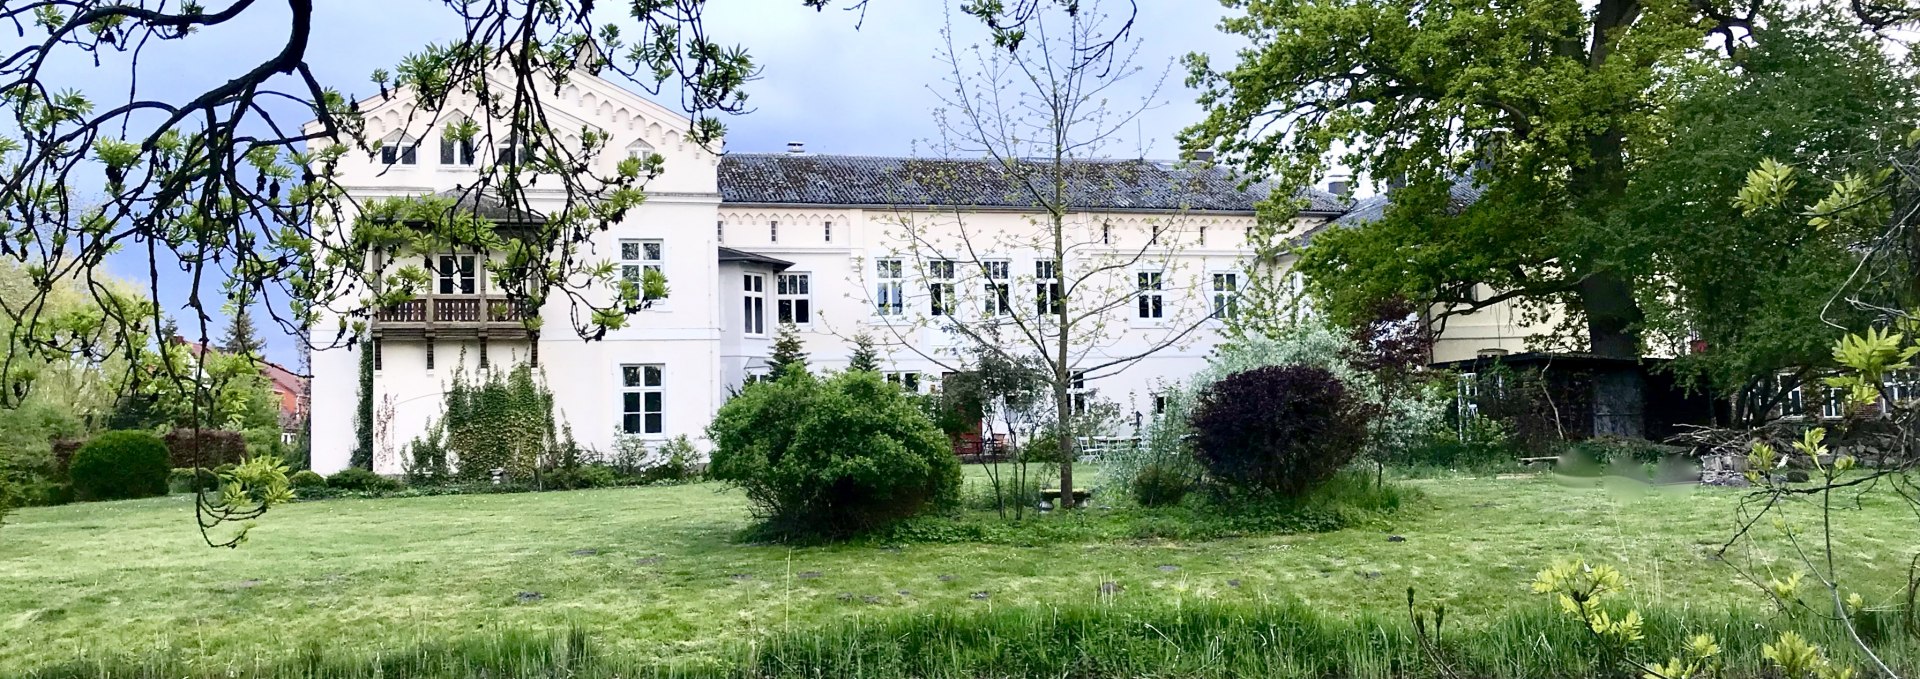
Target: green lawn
(657, 573)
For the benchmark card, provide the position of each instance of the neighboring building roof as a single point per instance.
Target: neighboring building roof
(806, 179)
(291, 386)
(732, 255)
(1374, 208)
(488, 206)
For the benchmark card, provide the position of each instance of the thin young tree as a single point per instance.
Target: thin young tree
(1035, 122)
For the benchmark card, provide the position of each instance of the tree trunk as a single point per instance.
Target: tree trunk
(1613, 320)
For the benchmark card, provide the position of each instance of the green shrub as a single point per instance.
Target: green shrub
(1160, 485)
(306, 480)
(120, 464)
(579, 477)
(832, 457)
(673, 462)
(1277, 429)
(185, 480)
(355, 479)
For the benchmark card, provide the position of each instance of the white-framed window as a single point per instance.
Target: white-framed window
(1903, 386)
(773, 232)
(998, 297)
(1225, 290)
(907, 379)
(1106, 234)
(378, 358)
(512, 151)
(940, 275)
(1835, 406)
(455, 151)
(827, 230)
(754, 303)
(1046, 287)
(400, 150)
(1150, 295)
(640, 256)
(889, 287)
(720, 231)
(793, 295)
(1078, 395)
(1794, 404)
(457, 274)
(643, 398)
(1159, 404)
(1203, 236)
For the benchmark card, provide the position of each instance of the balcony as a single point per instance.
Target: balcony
(454, 317)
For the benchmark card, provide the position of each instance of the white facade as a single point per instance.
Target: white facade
(737, 267)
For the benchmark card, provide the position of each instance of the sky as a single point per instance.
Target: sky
(836, 80)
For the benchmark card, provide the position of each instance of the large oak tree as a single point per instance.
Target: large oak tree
(1543, 108)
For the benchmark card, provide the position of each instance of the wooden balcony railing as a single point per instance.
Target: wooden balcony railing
(455, 313)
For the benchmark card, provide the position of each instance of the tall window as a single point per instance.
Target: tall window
(430, 355)
(755, 307)
(378, 360)
(1078, 394)
(643, 399)
(773, 232)
(455, 151)
(996, 289)
(889, 287)
(940, 287)
(794, 298)
(401, 150)
(907, 379)
(1046, 286)
(1203, 235)
(1150, 298)
(720, 231)
(638, 257)
(1226, 294)
(828, 230)
(1106, 234)
(456, 274)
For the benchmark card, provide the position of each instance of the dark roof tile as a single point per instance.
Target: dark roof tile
(806, 179)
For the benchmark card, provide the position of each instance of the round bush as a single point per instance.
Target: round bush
(832, 457)
(1278, 429)
(361, 480)
(1160, 485)
(118, 465)
(307, 479)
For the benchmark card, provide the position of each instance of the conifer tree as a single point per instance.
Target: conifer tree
(864, 357)
(241, 338)
(787, 351)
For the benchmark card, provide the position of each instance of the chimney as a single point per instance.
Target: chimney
(798, 148)
(1340, 185)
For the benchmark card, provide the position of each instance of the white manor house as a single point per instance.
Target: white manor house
(835, 245)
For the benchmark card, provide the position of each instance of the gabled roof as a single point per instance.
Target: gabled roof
(731, 255)
(1119, 185)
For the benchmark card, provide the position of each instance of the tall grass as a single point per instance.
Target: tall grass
(1198, 640)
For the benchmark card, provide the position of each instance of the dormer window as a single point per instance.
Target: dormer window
(399, 149)
(453, 150)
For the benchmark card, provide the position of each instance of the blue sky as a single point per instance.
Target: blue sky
(837, 82)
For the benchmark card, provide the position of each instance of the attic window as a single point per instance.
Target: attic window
(399, 150)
